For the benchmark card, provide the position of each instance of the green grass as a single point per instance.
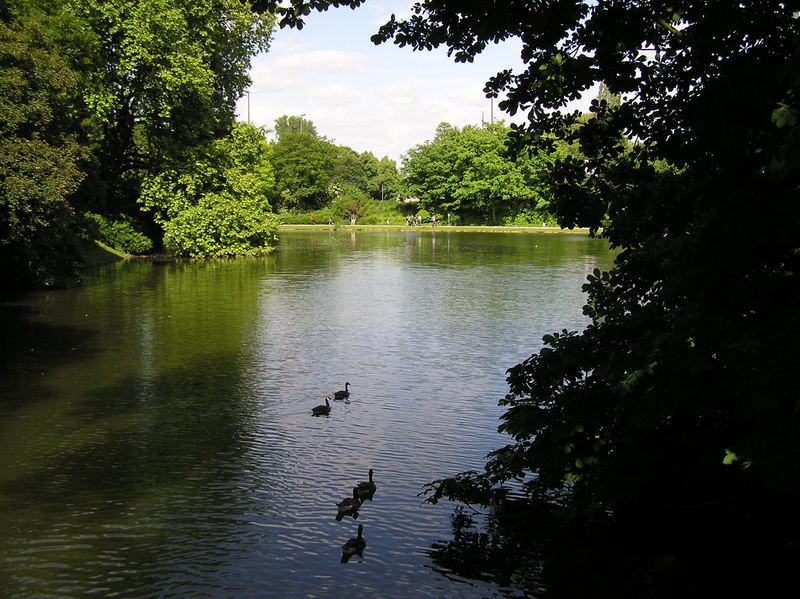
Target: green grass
(101, 253)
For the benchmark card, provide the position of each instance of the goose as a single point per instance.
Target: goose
(366, 489)
(349, 506)
(322, 410)
(342, 394)
(354, 546)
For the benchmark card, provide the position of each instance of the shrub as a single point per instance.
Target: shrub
(529, 218)
(120, 234)
(220, 225)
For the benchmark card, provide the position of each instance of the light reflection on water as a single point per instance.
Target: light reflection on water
(155, 425)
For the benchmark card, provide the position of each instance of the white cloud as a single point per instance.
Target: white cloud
(326, 62)
(383, 99)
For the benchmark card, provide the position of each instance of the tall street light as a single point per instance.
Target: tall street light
(248, 106)
(302, 116)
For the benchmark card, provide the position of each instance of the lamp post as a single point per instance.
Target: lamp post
(302, 116)
(248, 106)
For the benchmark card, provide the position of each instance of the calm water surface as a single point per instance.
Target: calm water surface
(155, 429)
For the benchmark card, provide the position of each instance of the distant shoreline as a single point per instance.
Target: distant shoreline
(103, 254)
(470, 229)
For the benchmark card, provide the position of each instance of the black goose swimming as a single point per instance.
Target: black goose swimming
(322, 410)
(349, 506)
(343, 393)
(366, 488)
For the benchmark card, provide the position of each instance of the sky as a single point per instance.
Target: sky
(380, 99)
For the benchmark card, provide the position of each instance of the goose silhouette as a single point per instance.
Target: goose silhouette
(366, 489)
(322, 410)
(342, 394)
(349, 506)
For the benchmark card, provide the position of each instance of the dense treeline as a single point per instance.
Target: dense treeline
(467, 174)
(103, 106)
(314, 174)
(470, 173)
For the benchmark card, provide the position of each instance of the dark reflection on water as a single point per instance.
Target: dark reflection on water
(543, 552)
(155, 429)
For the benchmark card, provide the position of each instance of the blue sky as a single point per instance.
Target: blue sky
(383, 99)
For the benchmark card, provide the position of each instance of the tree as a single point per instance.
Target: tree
(348, 168)
(605, 95)
(39, 155)
(312, 172)
(303, 168)
(384, 182)
(103, 95)
(348, 201)
(294, 124)
(162, 76)
(217, 203)
(490, 181)
(469, 172)
(426, 168)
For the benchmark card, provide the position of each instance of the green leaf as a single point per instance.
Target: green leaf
(784, 116)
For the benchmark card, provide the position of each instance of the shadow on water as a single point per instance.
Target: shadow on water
(152, 471)
(180, 422)
(124, 444)
(544, 552)
(26, 343)
(142, 434)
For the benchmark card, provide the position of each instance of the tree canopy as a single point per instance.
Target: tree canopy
(97, 98)
(384, 182)
(678, 392)
(313, 172)
(468, 172)
(294, 124)
(39, 155)
(303, 166)
(217, 202)
(164, 78)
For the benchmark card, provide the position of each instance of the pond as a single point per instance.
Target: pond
(156, 436)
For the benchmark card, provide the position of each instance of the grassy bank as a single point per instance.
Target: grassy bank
(100, 253)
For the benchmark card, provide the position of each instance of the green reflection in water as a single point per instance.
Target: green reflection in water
(123, 410)
(153, 425)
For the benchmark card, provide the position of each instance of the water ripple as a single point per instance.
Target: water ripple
(177, 456)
